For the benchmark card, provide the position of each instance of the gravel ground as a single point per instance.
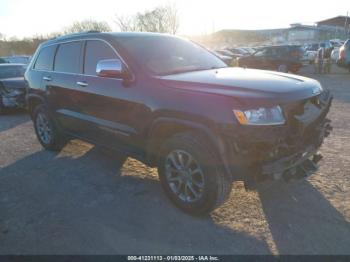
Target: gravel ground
(86, 200)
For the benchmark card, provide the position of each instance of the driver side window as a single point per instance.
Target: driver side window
(95, 51)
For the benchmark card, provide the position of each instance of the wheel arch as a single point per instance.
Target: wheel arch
(165, 127)
(33, 100)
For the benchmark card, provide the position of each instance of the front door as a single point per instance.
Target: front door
(106, 105)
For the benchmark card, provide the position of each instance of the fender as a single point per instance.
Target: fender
(31, 97)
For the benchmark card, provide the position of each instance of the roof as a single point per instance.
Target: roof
(94, 34)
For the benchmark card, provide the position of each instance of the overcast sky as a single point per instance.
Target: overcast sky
(34, 17)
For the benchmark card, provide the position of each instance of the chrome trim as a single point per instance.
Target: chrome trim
(47, 78)
(84, 39)
(109, 65)
(82, 84)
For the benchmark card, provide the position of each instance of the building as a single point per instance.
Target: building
(332, 28)
(338, 23)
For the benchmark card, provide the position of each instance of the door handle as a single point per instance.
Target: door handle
(47, 78)
(82, 84)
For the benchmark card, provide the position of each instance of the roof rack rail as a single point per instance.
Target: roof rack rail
(77, 34)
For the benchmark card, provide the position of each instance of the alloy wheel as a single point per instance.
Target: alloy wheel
(44, 128)
(184, 175)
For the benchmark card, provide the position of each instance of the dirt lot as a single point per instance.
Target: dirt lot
(86, 200)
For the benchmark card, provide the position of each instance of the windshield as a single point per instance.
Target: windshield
(165, 55)
(11, 71)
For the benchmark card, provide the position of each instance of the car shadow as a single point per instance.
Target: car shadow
(12, 118)
(101, 203)
(303, 221)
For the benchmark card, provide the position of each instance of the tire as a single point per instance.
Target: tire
(46, 130)
(210, 185)
(282, 68)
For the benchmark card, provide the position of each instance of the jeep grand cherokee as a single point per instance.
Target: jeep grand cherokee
(174, 105)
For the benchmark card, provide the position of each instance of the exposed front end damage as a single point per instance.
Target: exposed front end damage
(12, 93)
(282, 152)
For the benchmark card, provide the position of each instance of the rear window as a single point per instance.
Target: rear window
(68, 58)
(45, 58)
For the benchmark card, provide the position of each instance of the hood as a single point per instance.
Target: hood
(268, 86)
(13, 83)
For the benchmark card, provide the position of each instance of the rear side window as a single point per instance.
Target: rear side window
(68, 58)
(94, 52)
(45, 58)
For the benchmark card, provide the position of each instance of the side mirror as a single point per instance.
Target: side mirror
(111, 68)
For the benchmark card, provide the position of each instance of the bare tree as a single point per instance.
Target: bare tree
(126, 24)
(87, 25)
(162, 19)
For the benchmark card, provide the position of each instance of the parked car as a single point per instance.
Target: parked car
(336, 42)
(282, 58)
(344, 55)
(174, 105)
(18, 59)
(12, 86)
(335, 54)
(225, 58)
(249, 50)
(2, 60)
(327, 45)
(228, 53)
(309, 56)
(239, 51)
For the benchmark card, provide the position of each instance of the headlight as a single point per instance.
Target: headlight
(260, 116)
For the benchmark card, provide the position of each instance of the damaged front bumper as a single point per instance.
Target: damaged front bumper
(300, 164)
(281, 152)
(12, 98)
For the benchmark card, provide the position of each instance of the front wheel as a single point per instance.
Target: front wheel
(191, 176)
(46, 130)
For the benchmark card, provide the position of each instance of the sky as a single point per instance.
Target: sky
(25, 18)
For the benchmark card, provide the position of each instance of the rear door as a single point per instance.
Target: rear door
(62, 87)
(40, 68)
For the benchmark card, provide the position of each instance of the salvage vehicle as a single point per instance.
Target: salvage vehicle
(227, 59)
(12, 86)
(176, 106)
(282, 58)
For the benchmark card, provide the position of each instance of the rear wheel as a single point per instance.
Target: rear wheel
(190, 175)
(46, 130)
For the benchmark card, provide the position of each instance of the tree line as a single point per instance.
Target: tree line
(162, 19)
